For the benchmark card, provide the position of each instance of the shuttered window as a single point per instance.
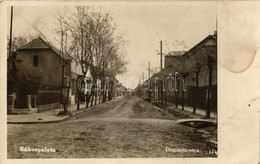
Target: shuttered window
(35, 60)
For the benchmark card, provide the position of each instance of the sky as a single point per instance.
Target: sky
(180, 26)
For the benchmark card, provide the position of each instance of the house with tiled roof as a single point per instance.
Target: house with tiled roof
(39, 55)
(44, 58)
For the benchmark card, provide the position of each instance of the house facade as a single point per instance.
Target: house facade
(44, 59)
(38, 55)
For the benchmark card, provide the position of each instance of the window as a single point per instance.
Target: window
(35, 60)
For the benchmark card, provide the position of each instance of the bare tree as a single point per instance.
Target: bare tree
(98, 46)
(66, 48)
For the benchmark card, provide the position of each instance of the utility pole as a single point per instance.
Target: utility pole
(149, 70)
(143, 83)
(149, 92)
(11, 58)
(11, 32)
(161, 70)
(10, 69)
(161, 53)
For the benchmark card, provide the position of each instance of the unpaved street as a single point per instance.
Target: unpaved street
(123, 127)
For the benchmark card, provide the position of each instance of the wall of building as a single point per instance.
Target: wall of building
(48, 64)
(171, 60)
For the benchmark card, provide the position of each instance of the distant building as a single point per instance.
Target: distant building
(172, 57)
(187, 60)
(188, 63)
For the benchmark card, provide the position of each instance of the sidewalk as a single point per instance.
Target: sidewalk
(49, 116)
(200, 113)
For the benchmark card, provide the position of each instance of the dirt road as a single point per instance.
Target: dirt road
(125, 127)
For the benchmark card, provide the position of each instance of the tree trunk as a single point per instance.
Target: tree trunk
(183, 92)
(149, 92)
(196, 92)
(177, 95)
(96, 93)
(89, 98)
(210, 63)
(92, 98)
(92, 94)
(104, 91)
(78, 98)
(165, 95)
(63, 101)
(79, 94)
(110, 93)
(78, 101)
(99, 97)
(161, 92)
(182, 99)
(105, 96)
(67, 99)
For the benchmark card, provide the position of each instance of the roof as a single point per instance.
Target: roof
(175, 53)
(210, 41)
(39, 43)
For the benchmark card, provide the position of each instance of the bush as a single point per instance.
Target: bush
(29, 81)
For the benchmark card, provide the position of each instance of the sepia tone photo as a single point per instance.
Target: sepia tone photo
(112, 80)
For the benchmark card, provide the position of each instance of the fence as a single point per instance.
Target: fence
(48, 99)
(201, 97)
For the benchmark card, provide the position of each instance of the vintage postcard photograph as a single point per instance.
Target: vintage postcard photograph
(112, 81)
